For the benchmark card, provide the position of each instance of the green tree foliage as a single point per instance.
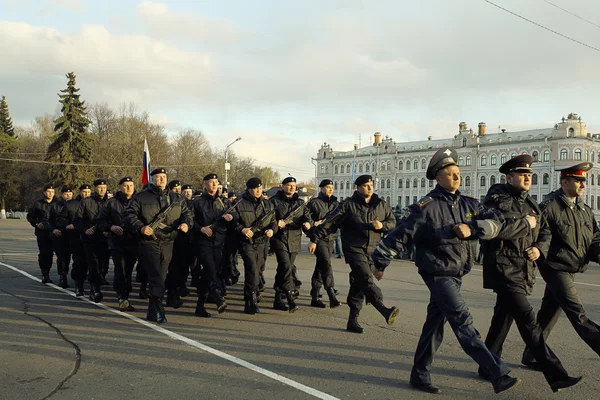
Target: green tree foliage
(70, 144)
(6, 125)
(8, 147)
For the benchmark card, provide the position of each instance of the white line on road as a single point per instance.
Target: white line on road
(539, 277)
(279, 378)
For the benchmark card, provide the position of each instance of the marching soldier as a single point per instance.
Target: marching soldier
(121, 244)
(255, 226)
(286, 241)
(362, 218)
(95, 245)
(509, 267)
(157, 214)
(443, 228)
(318, 208)
(60, 241)
(210, 228)
(187, 261)
(38, 218)
(575, 241)
(229, 272)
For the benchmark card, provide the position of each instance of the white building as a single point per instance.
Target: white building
(399, 168)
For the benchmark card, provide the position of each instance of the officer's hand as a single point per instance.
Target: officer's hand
(378, 274)
(533, 253)
(70, 227)
(312, 247)
(90, 231)
(147, 231)
(207, 231)
(183, 227)
(40, 226)
(105, 234)
(227, 217)
(531, 221)
(56, 233)
(117, 230)
(247, 232)
(269, 233)
(319, 222)
(306, 225)
(463, 231)
(377, 225)
(281, 223)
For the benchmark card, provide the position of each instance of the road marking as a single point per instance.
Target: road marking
(16, 254)
(539, 277)
(279, 378)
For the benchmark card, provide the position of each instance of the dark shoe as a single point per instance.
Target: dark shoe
(504, 383)
(389, 314)
(124, 305)
(173, 299)
(354, 326)
(296, 293)
(278, 304)
(248, 308)
(63, 282)
(96, 294)
(151, 314)
(160, 311)
(219, 301)
(333, 301)
(144, 292)
(183, 291)
(46, 277)
(565, 383)
(317, 303)
(335, 291)
(201, 311)
(79, 292)
(254, 303)
(426, 387)
(291, 303)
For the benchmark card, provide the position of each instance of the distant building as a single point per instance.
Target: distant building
(399, 168)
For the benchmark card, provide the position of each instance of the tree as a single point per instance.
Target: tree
(70, 143)
(6, 125)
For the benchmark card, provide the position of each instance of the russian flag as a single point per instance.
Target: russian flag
(146, 164)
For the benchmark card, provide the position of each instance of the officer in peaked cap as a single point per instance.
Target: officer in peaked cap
(38, 218)
(441, 159)
(521, 163)
(577, 171)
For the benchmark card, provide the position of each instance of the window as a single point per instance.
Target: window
(547, 156)
(322, 169)
(578, 155)
(399, 183)
(408, 165)
(400, 165)
(571, 132)
(534, 179)
(431, 183)
(342, 168)
(503, 158)
(423, 164)
(598, 202)
(327, 169)
(348, 168)
(415, 183)
(460, 161)
(388, 165)
(389, 184)
(563, 154)
(545, 179)
(415, 165)
(503, 179)
(382, 168)
(347, 185)
(483, 161)
(534, 196)
(399, 202)
(335, 185)
(414, 199)
(423, 182)
(467, 181)
(336, 169)
(407, 183)
(492, 180)
(592, 156)
(387, 200)
(468, 161)
(360, 167)
(464, 142)
(592, 179)
(512, 155)
(407, 198)
(535, 155)
(373, 167)
(482, 182)
(493, 159)
(367, 167)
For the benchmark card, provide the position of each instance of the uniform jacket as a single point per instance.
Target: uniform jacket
(575, 234)
(67, 215)
(40, 213)
(318, 208)
(251, 209)
(289, 237)
(113, 214)
(209, 210)
(57, 209)
(505, 265)
(86, 214)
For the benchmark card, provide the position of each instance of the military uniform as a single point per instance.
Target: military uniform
(61, 243)
(39, 214)
(229, 272)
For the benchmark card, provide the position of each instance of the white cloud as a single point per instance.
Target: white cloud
(77, 6)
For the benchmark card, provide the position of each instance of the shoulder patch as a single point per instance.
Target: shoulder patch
(424, 201)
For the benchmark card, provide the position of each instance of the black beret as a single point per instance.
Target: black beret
(521, 163)
(186, 186)
(125, 179)
(361, 180)
(85, 186)
(253, 183)
(66, 189)
(99, 182)
(210, 176)
(325, 182)
(48, 186)
(441, 159)
(175, 183)
(578, 171)
(158, 171)
(288, 180)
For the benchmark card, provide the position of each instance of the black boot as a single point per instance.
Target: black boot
(291, 303)
(278, 304)
(144, 291)
(247, 304)
(254, 303)
(183, 291)
(173, 299)
(504, 383)
(151, 314)
(46, 277)
(389, 314)
(96, 294)
(124, 304)
(160, 310)
(315, 299)
(565, 383)
(200, 310)
(353, 325)
(219, 301)
(63, 282)
(333, 301)
(79, 292)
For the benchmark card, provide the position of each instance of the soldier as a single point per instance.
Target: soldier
(157, 214)
(95, 245)
(318, 208)
(286, 241)
(175, 186)
(187, 191)
(362, 218)
(255, 226)
(575, 241)
(187, 262)
(229, 272)
(60, 241)
(210, 228)
(121, 244)
(443, 228)
(509, 267)
(38, 218)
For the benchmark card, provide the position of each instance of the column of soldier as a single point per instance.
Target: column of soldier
(171, 236)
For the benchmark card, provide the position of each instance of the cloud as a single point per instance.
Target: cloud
(77, 6)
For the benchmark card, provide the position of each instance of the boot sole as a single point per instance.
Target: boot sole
(566, 387)
(392, 318)
(517, 383)
(222, 309)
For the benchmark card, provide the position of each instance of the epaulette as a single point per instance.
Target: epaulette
(424, 201)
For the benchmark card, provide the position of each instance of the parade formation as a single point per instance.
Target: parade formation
(170, 233)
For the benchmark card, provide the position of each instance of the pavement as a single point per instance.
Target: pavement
(54, 346)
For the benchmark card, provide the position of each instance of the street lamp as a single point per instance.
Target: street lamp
(227, 166)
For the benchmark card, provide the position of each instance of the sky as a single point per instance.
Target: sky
(287, 76)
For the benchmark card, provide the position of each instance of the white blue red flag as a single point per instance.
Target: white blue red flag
(146, 164)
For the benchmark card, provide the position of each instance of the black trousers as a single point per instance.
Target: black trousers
(97, 257)
(561, 294)
(155, 257)
(181, 263)
(209, 257)
(447, 304)
(79, 270)
(62, 249)
(229, 260)
(253, 256)
(323, 273)
(285, 265)
(124, 258)
(44, 242)
(513, 306)
(361, 281)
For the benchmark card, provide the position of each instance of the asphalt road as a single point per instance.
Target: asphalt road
(53, 345)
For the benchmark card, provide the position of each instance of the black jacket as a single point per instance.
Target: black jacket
(145, 205)
(354, 217)
(112, 214)
(57, 209)
(575, 234)
(209, 210)
(67, 215)
(40, 213)
(429, 225)
(505, 265)
(318, 208)
(289, 237)
(86, 214)
(250, 210)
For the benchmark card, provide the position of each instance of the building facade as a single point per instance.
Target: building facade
(399, 167)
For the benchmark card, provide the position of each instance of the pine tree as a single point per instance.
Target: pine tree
(70, 142)
(6, 125)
